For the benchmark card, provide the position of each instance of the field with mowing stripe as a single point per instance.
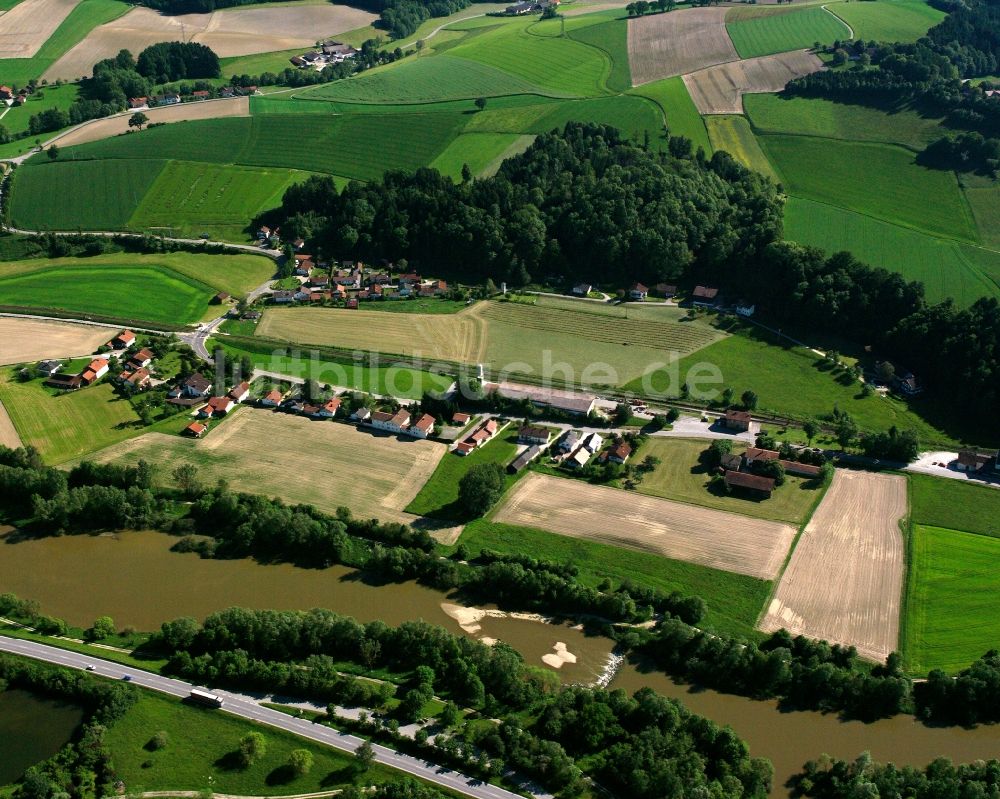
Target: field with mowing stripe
(416, 80)
(612, 38)
(86, 195)
(243, 451)
(955, 504)
(235, 274)
(781, 32)
(734, 600)
(67, 426)
(682, 118)
(143, 293)
(772, 113)
(480, 151)
(940, 264)
(894, 187)
(733, 134)
(189, 199)
(985, 202)
(217, 141)
(632, 115)
(951, 617)
(889, 20)
(703, 536)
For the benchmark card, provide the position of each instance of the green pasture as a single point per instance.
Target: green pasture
(431, 79)
(16, 120)
(682, 118)
(480, 151)
(86, 16)
(889, 20)
(192, 199)
(784, 31)
(143, 293)
(942, 265)
(612, 38)
(68, 425)
(985, 203)
(634, 116)
(734, 600)
(309, 364)
(880, 180)
(733, 134)
(951, 617)
(774, 113)
(84, 195)
(955, 504)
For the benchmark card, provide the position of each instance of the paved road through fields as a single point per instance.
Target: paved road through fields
(247, 708)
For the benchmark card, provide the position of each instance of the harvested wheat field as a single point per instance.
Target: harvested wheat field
(28, 25)
(844, 580)
(720, 89)
(664, 45)
(449, 337)
(185, 112)
(230, 32)
(321, 463)
(722, 540)
(8, 433)
(23, 340)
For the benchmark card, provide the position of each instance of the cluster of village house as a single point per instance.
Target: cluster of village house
(134, 374)
(739, 470)
(327, 53)
(529, 7)
(353, 283)
(9, 97)
(174, 98)
(700, 297)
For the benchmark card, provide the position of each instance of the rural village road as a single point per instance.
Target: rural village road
(245, 707)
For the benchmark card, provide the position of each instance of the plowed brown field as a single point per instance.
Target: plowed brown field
(24, 340)
(720, 89)
(722, 540)
(27, 26)
(663, 45)
(844, 580)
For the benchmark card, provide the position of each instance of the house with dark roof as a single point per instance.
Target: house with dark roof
(532, 434)
(48, 368)
(971, 460)
(801, 469)
(637, 291)
(753, 483)
(705, 296)
(524, 459)
(737, 420)
(757, 455)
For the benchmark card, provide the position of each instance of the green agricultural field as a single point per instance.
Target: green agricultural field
(774, 113)
(481, 151)
(733, 134)
(69, 425)
(784, 31)
(876, 179)
(80, 195)
(192, 199)
(217, 141)
(682, 118)
(940, 264)
(634, 116)
(789, 382)
(889, 20)
(681, 477)
(148, 294)
(87, 15)
(426, 79)
(985, 202)
(235, 274)
(535, 51)
(734, 600)
(201, 745)
(439, 496)
(955, 504)
(305, 363)
(16, 120)
(612, 38)
(951, 617)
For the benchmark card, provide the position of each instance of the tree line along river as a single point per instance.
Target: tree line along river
(134, 578)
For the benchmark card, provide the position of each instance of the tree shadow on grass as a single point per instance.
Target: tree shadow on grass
(231, 761)
(340, 776)
(282, 775)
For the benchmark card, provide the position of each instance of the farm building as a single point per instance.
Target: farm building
(524, 459)
(421, 428)
(970, 460)
(737, 420)
(665, 290)
(95, 370)
(217, 406)
(531, 434)
(756, 455)
(392, 422)
(580, 404)
(578, 459)
(196, 386)
(801, 469)
(361, 415)
(620, 452)
(731, 462)
(637, 291)
(705, 296)
(48, 368)
(195, 429)
(220, 298)
(582, 289)
(460, 419)
(141, 359)
(64, 382)
(240, 393)
(569, 441)
(745, 308)
(272, 399)
(750, 482)
(123, 340)
(136, 380)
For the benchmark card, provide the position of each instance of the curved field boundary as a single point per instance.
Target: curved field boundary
(844, 581)
(664, 45)
(720, 89)
(839, 19)
(782, 32)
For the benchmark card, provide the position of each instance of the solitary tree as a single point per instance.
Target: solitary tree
(252, 748)
(137, 120)
(364, 755)
(104, 627)
(466, 173)
(186, 477)
(481, 103)
(810, 428)
(300, 761)
(749, 399)
(54, 151)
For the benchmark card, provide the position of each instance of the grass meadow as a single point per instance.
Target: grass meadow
(734, 600)
(733, 134)
(880, 180)
(612, 38)
(787, 30)
(889, 20)
(943, 266)
(681, 477)
(951, 617)
(682, 118)
(66, 426)
(16, 120)
(955, 504)
(482, 152)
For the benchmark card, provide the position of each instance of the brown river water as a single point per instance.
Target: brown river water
(136, 580)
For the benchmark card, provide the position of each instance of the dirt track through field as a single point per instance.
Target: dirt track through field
(664, 45)
(720, 89)
(230, 32)
(451, 337)
(184, 112)
(27, 26)
(26, 340)
(727, 541)
(845, 578)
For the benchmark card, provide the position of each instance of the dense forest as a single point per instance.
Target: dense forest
(930, 74)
